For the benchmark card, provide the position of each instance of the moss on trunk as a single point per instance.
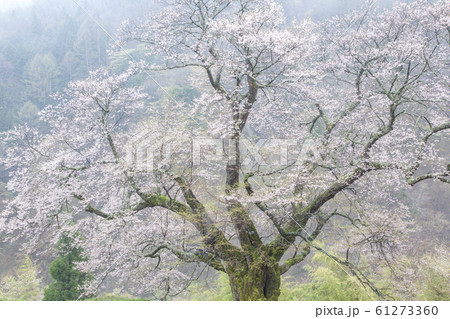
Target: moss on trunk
(258, 281)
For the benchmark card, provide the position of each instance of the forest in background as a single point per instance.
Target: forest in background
(42, 47)
(48, 44)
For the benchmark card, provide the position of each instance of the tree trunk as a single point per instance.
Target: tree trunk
(260, 281)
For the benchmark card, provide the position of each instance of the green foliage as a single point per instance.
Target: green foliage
(67, 280)
(112, 297)
(23, 285)
(219, 291)
(290, 291)
(434, 276)
(116, 296)
(120, 61)
(328, 281)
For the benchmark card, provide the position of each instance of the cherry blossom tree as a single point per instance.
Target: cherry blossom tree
(357, 106)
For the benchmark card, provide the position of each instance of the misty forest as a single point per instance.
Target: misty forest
(224, 150)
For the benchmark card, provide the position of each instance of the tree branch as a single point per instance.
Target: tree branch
(197, 256)
(296, 259)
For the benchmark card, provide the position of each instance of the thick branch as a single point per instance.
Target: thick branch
(263, 207)
(197, 256)
(300, 216)
(213, 239)
(438, 176)
(295, 259)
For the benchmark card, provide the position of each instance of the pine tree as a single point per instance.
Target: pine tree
(67, 280)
